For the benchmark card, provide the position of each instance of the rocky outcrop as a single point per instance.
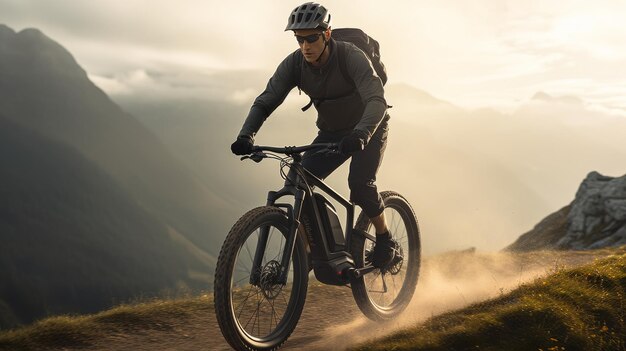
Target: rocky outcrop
(595, 219)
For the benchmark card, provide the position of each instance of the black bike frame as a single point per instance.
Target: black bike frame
(299, 184)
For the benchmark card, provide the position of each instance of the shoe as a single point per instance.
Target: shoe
(384, 251)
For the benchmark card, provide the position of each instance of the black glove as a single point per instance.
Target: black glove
(353, 143)
(242, 146)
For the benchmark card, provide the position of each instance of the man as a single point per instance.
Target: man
(351, 111)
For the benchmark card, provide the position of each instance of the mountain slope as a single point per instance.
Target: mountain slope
(43, 88)
(71, 239)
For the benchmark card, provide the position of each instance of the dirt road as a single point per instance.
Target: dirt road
(331, 319)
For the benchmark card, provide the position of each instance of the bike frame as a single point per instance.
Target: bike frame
(299, 184)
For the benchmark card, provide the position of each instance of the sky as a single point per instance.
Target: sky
(483, 53)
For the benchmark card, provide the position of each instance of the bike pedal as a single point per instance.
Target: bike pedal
(360, 272)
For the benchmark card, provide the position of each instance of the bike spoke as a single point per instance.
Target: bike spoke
(250, 319)
(259, 309)
(395, 230)
(249, 254)
(384, 292)
(286, 303)
(275, 317)
(245, 300)
(270, 247)
(244, 278)
(395, 288)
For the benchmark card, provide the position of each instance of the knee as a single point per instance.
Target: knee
(365, 195)
(362, 189)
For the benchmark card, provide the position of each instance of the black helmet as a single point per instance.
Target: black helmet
(309, 15)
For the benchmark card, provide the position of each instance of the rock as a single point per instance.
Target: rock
(595, 219)
(616, 208)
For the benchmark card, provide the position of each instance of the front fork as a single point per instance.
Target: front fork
(290, 244)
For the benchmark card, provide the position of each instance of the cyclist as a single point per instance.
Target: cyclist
(351, 113)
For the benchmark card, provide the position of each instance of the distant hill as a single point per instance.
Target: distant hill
(71, 239)
(94, 209)
(453, 188)
(43, 88)
(595, 219)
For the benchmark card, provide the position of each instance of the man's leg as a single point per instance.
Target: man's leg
(362, 180)
(380, 224)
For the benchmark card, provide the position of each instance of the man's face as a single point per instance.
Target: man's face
(311, 51)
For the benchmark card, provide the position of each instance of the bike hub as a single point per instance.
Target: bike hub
(268, 281)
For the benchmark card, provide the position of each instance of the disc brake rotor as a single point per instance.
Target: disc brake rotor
(269, 280)
(396, 264)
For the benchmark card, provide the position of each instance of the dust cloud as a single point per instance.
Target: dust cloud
(447, 282)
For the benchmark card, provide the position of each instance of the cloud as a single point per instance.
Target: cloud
(473, 54)
(235, 86)
(193, 32)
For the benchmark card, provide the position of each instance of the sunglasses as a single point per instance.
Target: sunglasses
(308, 38)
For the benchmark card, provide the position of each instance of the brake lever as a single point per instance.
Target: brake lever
(256, 156)
(331, 150)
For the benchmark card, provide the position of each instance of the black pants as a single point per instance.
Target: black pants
(363, 167)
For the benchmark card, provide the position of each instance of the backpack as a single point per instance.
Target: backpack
(367, 44)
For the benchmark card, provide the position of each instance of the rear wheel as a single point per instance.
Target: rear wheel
(385, 293)
(259, 313)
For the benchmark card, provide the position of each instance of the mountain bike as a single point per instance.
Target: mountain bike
(263, 267)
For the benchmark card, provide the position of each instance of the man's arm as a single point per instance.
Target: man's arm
(370, 88)
(279, 85)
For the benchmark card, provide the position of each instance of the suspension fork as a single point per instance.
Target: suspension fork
(291, 237)
(294, 220)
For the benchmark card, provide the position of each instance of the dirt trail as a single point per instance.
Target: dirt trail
(331, 319)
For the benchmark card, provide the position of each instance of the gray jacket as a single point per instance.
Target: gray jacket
(342, 106)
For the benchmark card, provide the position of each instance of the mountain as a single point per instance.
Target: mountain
(453, 190)
(72, 240)
(43, 88)
(547, 98)
(595, 219)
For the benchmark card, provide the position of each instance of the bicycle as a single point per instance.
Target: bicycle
(262, 272)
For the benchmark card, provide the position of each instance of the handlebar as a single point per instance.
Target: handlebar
(257, 153)
(291, 150)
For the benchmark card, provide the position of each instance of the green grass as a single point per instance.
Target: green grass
(577, 309)
(82, 331)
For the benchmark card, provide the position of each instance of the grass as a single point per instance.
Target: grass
(576, 309)
(82, 331)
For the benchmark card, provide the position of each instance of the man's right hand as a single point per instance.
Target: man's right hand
(242, 146)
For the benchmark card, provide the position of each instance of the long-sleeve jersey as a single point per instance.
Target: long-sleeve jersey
(341, 105)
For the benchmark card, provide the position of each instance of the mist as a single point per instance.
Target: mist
(475, 178)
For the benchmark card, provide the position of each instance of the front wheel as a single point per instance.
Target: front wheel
(384, 293)
(254, 310)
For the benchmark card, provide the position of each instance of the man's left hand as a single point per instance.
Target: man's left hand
(352, 143)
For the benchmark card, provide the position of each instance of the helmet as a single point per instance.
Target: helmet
(309, 15)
